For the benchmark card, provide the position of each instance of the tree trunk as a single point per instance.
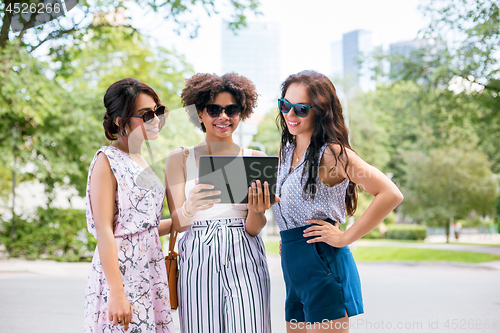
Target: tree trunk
(4, 32)
(447, 229)
(14, 166)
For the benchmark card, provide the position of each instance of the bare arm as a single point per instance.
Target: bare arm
(387, 197)
(258, 202)
(102, 194)
(164, 228)
(175, 183)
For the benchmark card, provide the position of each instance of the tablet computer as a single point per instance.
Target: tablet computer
(232, 175)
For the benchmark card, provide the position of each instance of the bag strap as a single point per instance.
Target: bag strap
(171, 241)
(173, 232)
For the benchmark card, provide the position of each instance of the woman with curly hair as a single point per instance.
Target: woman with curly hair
(317, 181)
(224, 281)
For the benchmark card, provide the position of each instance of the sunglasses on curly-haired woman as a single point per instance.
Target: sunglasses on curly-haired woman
(232, 110)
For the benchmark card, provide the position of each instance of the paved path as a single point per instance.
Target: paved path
(47, 297)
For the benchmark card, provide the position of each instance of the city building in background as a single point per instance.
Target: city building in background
(405, 48)
(350, 59)
(254, 52)
(420, 47)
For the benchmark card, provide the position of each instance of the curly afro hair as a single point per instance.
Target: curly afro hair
(201, 89)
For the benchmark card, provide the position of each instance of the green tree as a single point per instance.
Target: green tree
(464, 59)
(448, 184)
(472, 31)
(269, 134)
(369, 129)
(77, 21)
(51, 105)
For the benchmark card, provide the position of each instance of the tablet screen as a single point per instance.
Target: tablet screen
(232, 175)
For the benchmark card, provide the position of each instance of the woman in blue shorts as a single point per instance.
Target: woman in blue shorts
(317, 180)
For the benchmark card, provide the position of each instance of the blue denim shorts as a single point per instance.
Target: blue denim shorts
(322, 282)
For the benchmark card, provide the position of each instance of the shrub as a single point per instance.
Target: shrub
(59, 234)
(406, 232)
(374, 234)
(390, 219)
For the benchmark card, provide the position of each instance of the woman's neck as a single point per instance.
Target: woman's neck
(221, 147)
(302, 142)
(214, 139)
(130, 147)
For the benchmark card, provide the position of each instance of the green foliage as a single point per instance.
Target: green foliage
(364, 200)
(59, 234)
(43, 125)
(269, 134)
(113, 53)
(272, 247)
(373, 234)
(497, 209)
(368, 130)
(177, 12)
(473, 223)
(406, 232)
(472, 29)
(448, 184)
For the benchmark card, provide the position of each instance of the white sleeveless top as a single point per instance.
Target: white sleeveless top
(218, 211)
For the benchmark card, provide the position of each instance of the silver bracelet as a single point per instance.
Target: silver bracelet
(185, 213)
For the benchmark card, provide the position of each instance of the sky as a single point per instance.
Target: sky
(307, 30)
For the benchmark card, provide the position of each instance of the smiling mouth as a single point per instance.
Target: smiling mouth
(291, 123)
(222, 126)
(154, 130)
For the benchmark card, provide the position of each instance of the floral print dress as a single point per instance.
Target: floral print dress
(138, 206)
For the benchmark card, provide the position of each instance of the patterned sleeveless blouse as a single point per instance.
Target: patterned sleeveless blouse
(293, 211)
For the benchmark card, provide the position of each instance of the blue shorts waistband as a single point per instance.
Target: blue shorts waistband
(295, 234)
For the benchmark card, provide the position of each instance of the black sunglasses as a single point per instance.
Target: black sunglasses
(149, 115)
(231, 110)
(301, 110)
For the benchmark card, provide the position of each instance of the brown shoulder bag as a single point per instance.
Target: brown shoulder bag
(172, 269)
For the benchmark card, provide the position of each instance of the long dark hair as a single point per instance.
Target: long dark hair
(329, 128)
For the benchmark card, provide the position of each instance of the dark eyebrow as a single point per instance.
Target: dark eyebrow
(295, 103)
(145, 109)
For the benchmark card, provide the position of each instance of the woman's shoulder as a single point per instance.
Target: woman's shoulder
(179, 152)
(104, 157)
(337, 149)
(176, 157)
(258, 153)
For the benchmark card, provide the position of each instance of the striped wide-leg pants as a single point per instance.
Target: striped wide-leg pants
(224, 284)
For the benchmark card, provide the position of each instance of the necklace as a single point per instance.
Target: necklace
(296, 160)
(298, 155)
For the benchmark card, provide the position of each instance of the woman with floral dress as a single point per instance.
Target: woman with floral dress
(127, 285)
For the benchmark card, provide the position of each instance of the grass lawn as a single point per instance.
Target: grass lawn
(272, 247)
(388, 253)
(423, 242)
